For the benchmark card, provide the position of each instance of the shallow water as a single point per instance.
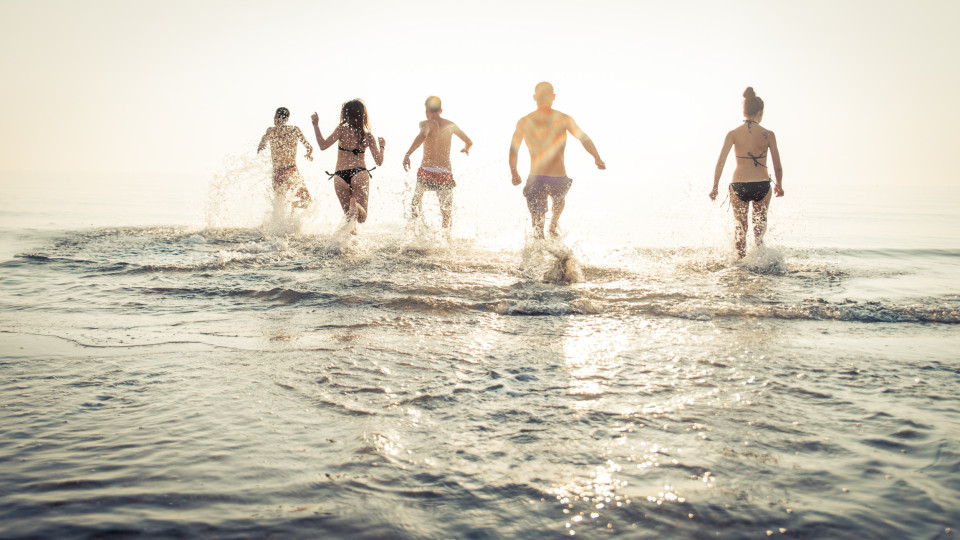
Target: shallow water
(247, 382)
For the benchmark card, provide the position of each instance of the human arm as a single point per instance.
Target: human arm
(264, 139)
(321, 142)
(376, 150)
(515, 154)
(587, 143)
(777, 168)
(463, 137)
(306, 144)
(727, 145)
(422, 136)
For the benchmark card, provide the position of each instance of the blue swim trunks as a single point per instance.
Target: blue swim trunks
(539, 187)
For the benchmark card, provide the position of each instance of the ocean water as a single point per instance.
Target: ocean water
(189, 363)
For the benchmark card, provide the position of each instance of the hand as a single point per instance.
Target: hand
(382, 142)
(713, 194)
(309, 156)
(406, 162)
(516, 178)
(466, 150)
(777, 190)
(315, 118)
(600, 164)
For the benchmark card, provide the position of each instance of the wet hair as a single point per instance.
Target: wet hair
(543, 90)
(283, 113)
(353, 114)
(432, 103)
(751, 103)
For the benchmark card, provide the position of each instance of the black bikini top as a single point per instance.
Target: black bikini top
(355, 151)
(756, 159)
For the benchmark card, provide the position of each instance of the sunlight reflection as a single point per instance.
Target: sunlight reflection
(593, 495)
(591, 348)
(485, 334)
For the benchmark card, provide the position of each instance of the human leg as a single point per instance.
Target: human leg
(557, 188)
(416, 203)
(360, 194)
(536, 194)
(740, 211)
(539, 220)
(555, 210)
(342, 189)
(760, 218)
(445, 196)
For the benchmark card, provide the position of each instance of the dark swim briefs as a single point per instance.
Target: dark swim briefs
(751, 191)
(539, 187)
(289, 179)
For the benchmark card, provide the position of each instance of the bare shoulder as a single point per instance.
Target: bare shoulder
(448, 125)
(560, 115)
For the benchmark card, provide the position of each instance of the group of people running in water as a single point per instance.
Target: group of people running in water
(544, 131)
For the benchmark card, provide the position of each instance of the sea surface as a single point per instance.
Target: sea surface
(207, 367)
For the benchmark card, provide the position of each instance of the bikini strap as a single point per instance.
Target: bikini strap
(756, 159)
(331, 175)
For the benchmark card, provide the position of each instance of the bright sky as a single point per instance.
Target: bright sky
(859, 92)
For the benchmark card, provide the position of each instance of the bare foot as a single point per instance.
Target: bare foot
(554, 231)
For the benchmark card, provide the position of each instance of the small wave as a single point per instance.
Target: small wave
(533, 307)
(276, 295)
(817, 310)
(439, 306)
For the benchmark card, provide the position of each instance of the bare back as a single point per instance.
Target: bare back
(752, 145)
(545, 133)
(349, 139)
(436, 144)
(283, 145)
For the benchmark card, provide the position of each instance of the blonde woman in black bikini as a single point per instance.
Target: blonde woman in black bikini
(752, 144)
(351, 181)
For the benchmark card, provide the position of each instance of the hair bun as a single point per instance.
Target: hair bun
(749, 93)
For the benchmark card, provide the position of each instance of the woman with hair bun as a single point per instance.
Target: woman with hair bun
(751, 179)
(351, 179)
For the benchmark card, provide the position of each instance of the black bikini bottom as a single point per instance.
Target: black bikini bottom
(348, 174)
(751, 191)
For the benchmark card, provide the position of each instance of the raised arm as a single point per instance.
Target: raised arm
(515, 154)
(321, 142)
(417, 141)
(306, 144)
(777, 168)
(587, 143)
(727, 145)
(376, 150)
(463, 137)
(264, 139)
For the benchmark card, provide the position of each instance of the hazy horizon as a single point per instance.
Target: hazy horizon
(175, 87)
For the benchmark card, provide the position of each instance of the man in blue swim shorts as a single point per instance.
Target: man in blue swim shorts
(545, 133)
